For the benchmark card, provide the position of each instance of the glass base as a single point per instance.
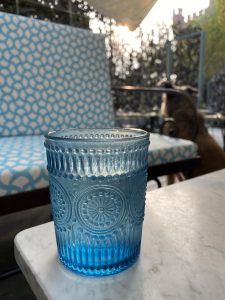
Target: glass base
(102, 271)
(99, 231)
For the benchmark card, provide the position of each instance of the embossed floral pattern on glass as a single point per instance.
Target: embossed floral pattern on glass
(97, 180)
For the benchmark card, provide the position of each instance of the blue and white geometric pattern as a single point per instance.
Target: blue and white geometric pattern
(22, 164)
(164, 149)
(23, 160)
(51, 76)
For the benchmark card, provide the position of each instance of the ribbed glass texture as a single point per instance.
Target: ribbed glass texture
(97, 180)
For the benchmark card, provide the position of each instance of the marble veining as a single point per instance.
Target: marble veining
(182, 255)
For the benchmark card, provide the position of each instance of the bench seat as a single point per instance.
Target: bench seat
(164, 149)
(52, 77)
(22, 164)
(23, 160)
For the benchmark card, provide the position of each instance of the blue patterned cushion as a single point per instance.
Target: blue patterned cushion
(22, 164)
(23, 160)
(164, 149)
(52, 76)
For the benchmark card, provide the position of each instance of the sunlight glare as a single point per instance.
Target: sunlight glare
(162, 11)
(127, 37)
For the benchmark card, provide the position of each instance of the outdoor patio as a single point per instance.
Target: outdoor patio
(77, 64)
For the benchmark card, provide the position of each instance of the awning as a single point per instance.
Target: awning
(125, 12)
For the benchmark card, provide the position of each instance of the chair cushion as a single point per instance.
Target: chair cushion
(164, 149)
(22, 164)
(23, 160)
(52, 76)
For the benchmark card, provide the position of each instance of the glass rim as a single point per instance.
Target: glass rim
(140, 134)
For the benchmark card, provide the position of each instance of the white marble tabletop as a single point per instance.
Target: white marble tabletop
(182, 255)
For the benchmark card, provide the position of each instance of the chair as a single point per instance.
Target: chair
(179, 158)
(186, 122)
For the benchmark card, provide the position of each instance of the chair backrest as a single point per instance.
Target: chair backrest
(51, 76)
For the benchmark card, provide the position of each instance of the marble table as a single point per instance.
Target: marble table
(182, 255)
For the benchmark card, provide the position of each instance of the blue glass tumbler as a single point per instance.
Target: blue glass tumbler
(97, 181)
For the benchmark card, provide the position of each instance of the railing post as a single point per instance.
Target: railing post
(201, 67)
(168, 60)
(17, 7)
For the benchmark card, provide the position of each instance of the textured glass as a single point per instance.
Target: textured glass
(97, 180)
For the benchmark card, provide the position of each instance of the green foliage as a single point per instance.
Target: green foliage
(213, 23)
(144, 66)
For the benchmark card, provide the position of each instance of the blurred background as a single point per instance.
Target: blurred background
(179, 41)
